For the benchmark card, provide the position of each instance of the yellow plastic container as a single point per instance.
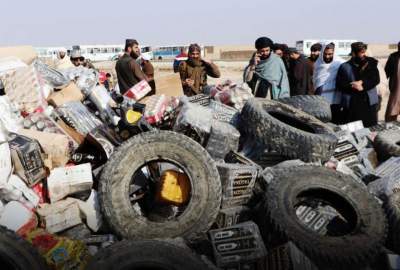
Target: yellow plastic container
(173, 188)
(133, 117)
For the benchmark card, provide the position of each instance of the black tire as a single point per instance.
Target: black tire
(314, 105)
(146, 254)
(288, 131)
(358, 244)
(387, 144)
(205, 201)
(392, 208)
(16, 253)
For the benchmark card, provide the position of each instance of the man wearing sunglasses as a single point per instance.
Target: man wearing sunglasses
(76, 58)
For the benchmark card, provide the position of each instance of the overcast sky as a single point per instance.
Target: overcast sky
(168, 22)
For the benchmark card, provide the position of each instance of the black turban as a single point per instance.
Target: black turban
(316, 47)
(357, 47)
(264, 42)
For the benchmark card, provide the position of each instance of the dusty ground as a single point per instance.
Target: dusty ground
(233, 70)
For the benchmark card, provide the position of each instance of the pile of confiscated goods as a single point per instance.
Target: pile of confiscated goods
(90, 179)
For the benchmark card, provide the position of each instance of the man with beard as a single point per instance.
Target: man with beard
(128, 70)
(62, 60)
(392, 70)
(315, 53)
(299, 74)
(194, 71)
(266, 74)
(357, 80)
(324, 80)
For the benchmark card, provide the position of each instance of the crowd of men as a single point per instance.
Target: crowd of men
(276, 71)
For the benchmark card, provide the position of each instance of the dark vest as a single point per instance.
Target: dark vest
(125, 75)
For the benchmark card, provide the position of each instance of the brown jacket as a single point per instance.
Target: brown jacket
(129, 73)
(198, 73)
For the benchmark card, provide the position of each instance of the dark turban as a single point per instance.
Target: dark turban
(357, 47)
(264, 42)
(316, 47)
(194, 47)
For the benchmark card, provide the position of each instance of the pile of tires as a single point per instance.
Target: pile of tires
(114, 186)
(353, 238)
(147, 254)
(315, 105)
(287, 131)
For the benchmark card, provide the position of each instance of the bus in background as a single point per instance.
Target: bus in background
(49, 53)
(98, 53)
(169, 52)
(342, 46)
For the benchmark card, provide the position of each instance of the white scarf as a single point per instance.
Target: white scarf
(325, 76)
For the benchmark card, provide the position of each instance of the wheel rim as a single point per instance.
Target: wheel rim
(144, 191)
(325, 213)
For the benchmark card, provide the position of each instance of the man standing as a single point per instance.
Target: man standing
(392, 70)
(324, 80)
(357, 80)
(62, 61)
(148, 70)
(128, 70)
(315, 53)
(266, 74)
(299, 74)
(194, 71)
(76, 58)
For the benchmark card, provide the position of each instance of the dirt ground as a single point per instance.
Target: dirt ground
(233, 70)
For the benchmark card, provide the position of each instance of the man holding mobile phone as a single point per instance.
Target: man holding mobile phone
(266, 73)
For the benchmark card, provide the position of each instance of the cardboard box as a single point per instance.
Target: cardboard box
(75, 135)
(59, 252)
(60, 215)
(18, 218)
(69, 180)
(24, 89)
(69, 93)
(91, 210)
(169, 85)
(26, 53)
(56, 146)
(28, 193)
(27, 158)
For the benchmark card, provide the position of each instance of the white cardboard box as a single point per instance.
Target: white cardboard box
(69, 180)
(15, 216)
(60, 215)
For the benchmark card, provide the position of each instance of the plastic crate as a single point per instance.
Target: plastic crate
(237, 183)
(231, 216)
(235, 157)
(316, 219)
(237, 245)
(223, 139)
(388, 167)
(224, 113)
